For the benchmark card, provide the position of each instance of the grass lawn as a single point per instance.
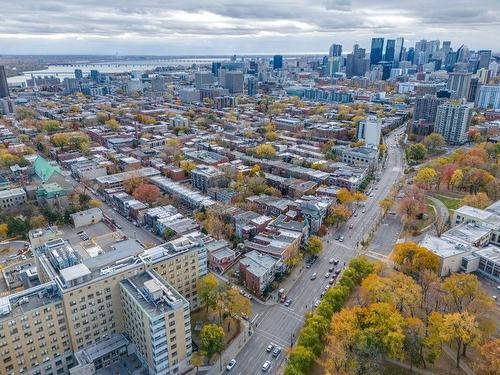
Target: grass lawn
(449, 202)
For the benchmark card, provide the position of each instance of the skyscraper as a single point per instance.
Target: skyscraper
(489, 97)
(277, 62)
(398, 49)
(4, 87)
(484, 58)
(446, 47)
(78, 74)
(335, 50)
(452, 122)
(233, 81)
(459, 83)
(203, 78)
(410, 55)
(369, 130)
(251, 86)
(215, 68)
(390, 48)
(356, 63)
(426, 108)
(376, 50)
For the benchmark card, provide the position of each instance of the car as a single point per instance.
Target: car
(331, 269)
(276, 351)
(317, 303)
(308, 266)
(336, 261)
(363, 211)
(351, 226)
(118, 226)
(331, 281)
(288, 302)
(323, 293)
(283, 298)
(341, 239)
(242, 292)
(231, 364)
(313, 276)
(337, 237)
(327, 275)
(266, 366)
(371, 194)
(81, 232)
(270, 347)
(331, 260)
(337, 271)
(355, 214)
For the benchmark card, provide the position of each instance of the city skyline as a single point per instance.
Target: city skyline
(223, 27)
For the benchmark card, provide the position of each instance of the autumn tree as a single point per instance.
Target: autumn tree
(412, 205)
(433, 142)
(488, 360)
(479, 200)
(386, 204)
(338, 214)
(464, 293)
(413, 258)
(426, 177)
(212, 339)
(207, 291)
(457, 178)
(147, 193)
(112, 124)
(38, 221)
(358, 197)
(344, 196)
(447, 173)
(265, 151)
(187, 166)
(4, 229)
(314, 246)
(101, 117)
(132, 183)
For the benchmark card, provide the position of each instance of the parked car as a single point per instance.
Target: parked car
(276, 351)
(336, 261)
(331, 281)
(266, 366)
(331, 269)
(231, 364)
(331, 260)
(337, 271)
(337, 237)
(270, 347)
(317, 303)
(288, 302)
(351, 226)
(283, 298)
(327, 275)
(341, 239)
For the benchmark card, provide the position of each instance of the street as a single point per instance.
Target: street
(279, 324)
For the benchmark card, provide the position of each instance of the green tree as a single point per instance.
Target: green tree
(416, 152)
(433, 142)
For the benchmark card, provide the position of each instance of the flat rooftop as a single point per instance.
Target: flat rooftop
(443, 247)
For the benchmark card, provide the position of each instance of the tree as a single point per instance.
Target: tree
(479, 200)
(386, 204)
(101, 117)
(265, 151)
(416, 152)
(234, 304)
(187, 166)
(94, 203)
(433, 142)
(112, 124)
(147, 193)
(84, 200)
(464, 293)
(4, 229)
(358, 197)
(462, 329)
(488, 361)
(38, 221)
(197, 360)
(212, 339)
(413, 258)
(59, 139)
(447, 173)
(425, 177)
(132, 183)
(338, 214)
(207, 291)
(457, 178)
(314, 246)
(412, 205)
(344, 195)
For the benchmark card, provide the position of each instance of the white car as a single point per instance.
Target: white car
(266, 366)
(231, 364)
(317, 303)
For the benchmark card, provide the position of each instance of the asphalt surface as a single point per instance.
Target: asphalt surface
(279, 324)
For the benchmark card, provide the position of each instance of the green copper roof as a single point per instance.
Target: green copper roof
(43, 169)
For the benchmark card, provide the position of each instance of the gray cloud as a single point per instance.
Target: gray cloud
(239, 24)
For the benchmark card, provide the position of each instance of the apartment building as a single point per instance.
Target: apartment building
(85, 314)
(12, 197)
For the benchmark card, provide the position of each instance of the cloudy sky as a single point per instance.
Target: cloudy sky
(177, 27)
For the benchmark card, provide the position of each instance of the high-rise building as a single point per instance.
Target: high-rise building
(356, 62)
(158, 83)
(277, 62)
(71, 85)
(215, 68)
(386, 69)
(390, 48)
(459, 83)
(251, 86)
(369, 130)
(410, 55)
(233, 81)
(335, 50)
(484, 57)
(473, 89)
(446, 48)
(4, 87)
(78, 74)
(203, 78)
(452, 122)
(489, 97)
(426, 108)
(398, 49)
(376, 51)
(94, 75)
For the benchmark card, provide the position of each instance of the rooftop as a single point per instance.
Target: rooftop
(443, 247)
